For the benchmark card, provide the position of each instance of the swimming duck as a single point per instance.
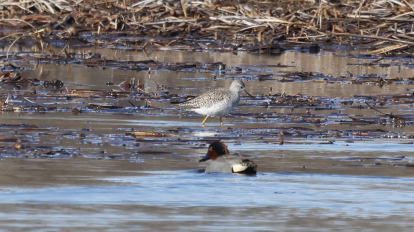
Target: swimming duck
(227, 163)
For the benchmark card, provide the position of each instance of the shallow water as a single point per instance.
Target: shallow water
(101, 178)
(188, 200)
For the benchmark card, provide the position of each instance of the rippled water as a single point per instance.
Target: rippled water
(111, 181)
(188, 200)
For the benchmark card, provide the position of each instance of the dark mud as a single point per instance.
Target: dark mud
(272, 116)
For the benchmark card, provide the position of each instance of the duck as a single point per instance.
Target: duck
(224, 162)
(218, 102)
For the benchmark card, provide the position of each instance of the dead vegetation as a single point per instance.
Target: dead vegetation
(227, 25)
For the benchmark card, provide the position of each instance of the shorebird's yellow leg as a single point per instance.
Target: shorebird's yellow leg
(204, 120)
(221, 122)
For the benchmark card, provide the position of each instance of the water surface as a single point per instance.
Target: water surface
(101, 178)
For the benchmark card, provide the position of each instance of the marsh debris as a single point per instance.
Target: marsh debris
(249, 26)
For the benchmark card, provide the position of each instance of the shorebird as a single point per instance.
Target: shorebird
(217, 103)
(226, 163)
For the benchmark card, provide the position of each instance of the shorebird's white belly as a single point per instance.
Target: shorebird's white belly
(216, 110)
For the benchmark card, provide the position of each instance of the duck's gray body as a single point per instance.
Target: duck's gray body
(224, 162)
(231, 164)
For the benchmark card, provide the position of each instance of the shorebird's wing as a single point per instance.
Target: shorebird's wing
(207, 99)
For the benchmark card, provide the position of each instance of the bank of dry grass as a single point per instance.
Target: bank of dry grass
(386, 25)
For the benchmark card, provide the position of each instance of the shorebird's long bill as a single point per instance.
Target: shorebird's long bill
(249, 94)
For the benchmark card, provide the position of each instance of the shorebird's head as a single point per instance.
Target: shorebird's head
(238, 85)
(215, 150)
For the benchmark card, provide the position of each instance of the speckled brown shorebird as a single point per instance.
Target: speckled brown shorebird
(217, 103)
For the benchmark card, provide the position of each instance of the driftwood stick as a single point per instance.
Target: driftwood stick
(19, 20)
(64, 48)
(379, 111)
(379, 59)
(146, 2)
(388, 49)
(281, 142)
(371, 37)
(408, 4)
(184, 8)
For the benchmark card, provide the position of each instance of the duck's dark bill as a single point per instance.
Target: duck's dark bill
(205, 158)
